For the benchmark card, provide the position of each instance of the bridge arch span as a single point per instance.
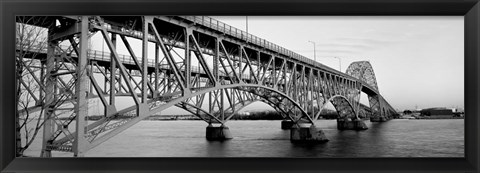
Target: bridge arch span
(272, 96)
(363, 70)
(343, 107)
(102, 130)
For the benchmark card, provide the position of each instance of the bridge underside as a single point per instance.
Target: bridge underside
(198, 64)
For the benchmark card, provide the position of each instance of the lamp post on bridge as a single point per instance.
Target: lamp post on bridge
(246, 23)
(314, 51)
(339, 62)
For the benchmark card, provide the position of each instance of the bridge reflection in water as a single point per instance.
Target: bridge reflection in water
(235, 69)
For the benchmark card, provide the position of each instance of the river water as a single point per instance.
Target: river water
(394, 138)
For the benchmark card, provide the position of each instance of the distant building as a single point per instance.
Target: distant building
(436, 111)
(453, 109)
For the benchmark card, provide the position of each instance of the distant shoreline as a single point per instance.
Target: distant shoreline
(165, 119)
(432, 117)
(438, 118)
(264, 116)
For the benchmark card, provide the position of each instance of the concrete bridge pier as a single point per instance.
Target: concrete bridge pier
(218, 133)
(349, 124)
(287, 124)
(302, 133)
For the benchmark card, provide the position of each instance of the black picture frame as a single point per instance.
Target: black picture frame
(470, 9)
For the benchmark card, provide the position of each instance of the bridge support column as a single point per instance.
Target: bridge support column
(348, 124)
(302, 134)
(287, 124)
(218, 133)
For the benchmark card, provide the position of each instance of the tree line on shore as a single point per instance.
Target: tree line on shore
(257, 115)
(274, 115)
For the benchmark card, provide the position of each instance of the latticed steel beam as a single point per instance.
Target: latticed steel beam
(363, 71)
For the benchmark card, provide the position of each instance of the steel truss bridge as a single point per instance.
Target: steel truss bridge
(233, 70)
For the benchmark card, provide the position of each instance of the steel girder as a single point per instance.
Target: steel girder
(363, 71)
(230, 73)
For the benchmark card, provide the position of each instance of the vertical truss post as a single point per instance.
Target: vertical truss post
(233, 99)
(90, 92)
(144, 61)
(222, 112)
(274, 74)
(324, 84)
(215, 61)
(278, 76)
(319, 90)
(328, 78)
(259, 67)
(187, 61)
(332, 84)
(339, 85)
(303, 94)
(113, 71)
(285, 77)
(48, 126)
(120, 79)
(326, 81)
(325, 90)
(169, 82)
(311, 79)
(289, 80)
(294, 78)
(106, 81)
(210, 102)
(81, 109)
(335, 83)
(157, 56)
(345, 87)
(240, 60)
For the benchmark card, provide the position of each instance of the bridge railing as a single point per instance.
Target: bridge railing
(240, 34)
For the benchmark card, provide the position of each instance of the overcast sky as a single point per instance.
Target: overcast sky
(418, 61)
